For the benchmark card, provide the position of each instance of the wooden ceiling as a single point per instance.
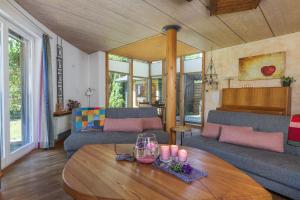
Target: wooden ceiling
(152, 49)
(94, 25)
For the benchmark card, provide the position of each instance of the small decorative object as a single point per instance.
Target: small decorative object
(72, 104)
(211, 76)
(286, 81)
(182, 155)
(183, 171)
(174, 150)
(260, 67)
(123, 156)
(165, 153)
(89, 92)
(294, 131)
(146, 148)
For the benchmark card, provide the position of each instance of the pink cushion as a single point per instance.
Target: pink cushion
(123, 125)
(236, 129)
(259, 140)
(211, 130)
(152, 123)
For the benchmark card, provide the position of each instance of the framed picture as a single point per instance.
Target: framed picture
(261, 67)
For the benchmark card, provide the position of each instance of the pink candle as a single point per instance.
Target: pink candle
(182, 155)
(174, 150)
(164, 152)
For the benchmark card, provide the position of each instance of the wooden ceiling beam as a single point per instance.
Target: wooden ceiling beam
(218, 7)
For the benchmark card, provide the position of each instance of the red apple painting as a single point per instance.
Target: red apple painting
(268, 70)
(261, 67)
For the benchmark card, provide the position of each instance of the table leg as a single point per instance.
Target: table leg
(181, 136)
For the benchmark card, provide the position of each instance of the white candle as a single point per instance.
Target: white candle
(182, 155)
(174, 150)
(165, 152)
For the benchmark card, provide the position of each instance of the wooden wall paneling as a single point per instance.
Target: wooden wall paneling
(271, 100)
(195, 15)
(107, 86)
(250, 25)
(130, 84)
(283, 16)
(181, 91)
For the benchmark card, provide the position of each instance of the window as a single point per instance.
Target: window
(156, 82)
(140, 82)
(192, 88)
(118, 81)
(16, 78)
(18, 91)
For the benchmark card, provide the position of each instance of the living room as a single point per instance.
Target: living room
(141, 99)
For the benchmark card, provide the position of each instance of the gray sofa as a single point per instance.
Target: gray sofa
(279, 172)
(78, 139)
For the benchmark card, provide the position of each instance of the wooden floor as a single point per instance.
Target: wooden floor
(37, 176)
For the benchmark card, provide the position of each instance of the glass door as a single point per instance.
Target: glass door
(18, 93)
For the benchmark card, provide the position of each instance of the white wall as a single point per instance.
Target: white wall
(97, 78)
(226, 62)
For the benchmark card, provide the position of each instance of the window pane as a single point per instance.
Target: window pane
(139, 90)
(18, 107)
(156, 89)
(118, 86)
(140, 69)
(193, 98)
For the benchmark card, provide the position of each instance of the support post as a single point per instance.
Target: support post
(130, 84)
(171, 54)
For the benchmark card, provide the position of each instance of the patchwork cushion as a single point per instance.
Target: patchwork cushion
(89, 118)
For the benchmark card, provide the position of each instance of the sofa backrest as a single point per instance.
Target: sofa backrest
(131, 112)
(259, 122)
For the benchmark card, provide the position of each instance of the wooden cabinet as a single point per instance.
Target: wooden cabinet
(269, 100)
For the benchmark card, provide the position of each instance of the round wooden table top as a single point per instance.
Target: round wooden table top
(94, 173)
(181, 128)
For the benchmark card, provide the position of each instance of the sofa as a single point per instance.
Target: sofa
(278, 172)
(77, 139)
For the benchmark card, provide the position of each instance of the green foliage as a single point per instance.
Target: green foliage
(116, 98)
(15, 78)
(117, 58)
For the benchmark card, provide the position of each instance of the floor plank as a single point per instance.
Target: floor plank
(37, 176)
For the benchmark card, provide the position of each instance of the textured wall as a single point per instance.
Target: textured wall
(226, 61)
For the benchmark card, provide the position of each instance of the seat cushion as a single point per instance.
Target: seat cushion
(280, 167)
(76, 140)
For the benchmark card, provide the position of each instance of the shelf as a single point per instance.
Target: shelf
(62, 113)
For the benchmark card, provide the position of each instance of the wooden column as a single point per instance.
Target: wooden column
(171, 54)
(130, 84)
(164, 81)
(149, 89)
(182, 91)
(107, 90)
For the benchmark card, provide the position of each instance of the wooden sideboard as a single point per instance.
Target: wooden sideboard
(267, 100)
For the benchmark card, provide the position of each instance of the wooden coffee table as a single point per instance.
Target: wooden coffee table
(93, 173)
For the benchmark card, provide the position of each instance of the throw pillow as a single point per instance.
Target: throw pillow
(89, 119)
(134, 125)
(211, 130)
(152, 123)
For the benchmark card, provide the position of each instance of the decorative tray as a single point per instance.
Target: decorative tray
(188, 178)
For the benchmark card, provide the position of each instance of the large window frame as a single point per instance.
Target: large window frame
(9, 156)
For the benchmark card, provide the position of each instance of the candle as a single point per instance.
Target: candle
(165, 152)
(174, 150)
(182, 155)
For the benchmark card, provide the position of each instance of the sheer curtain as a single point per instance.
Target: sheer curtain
(46, 134)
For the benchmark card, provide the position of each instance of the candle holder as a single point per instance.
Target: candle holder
(146, 148)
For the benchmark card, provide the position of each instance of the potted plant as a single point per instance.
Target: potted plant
(286, 81)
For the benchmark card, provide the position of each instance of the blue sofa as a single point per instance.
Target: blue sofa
(279, 172)
(78, 139)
